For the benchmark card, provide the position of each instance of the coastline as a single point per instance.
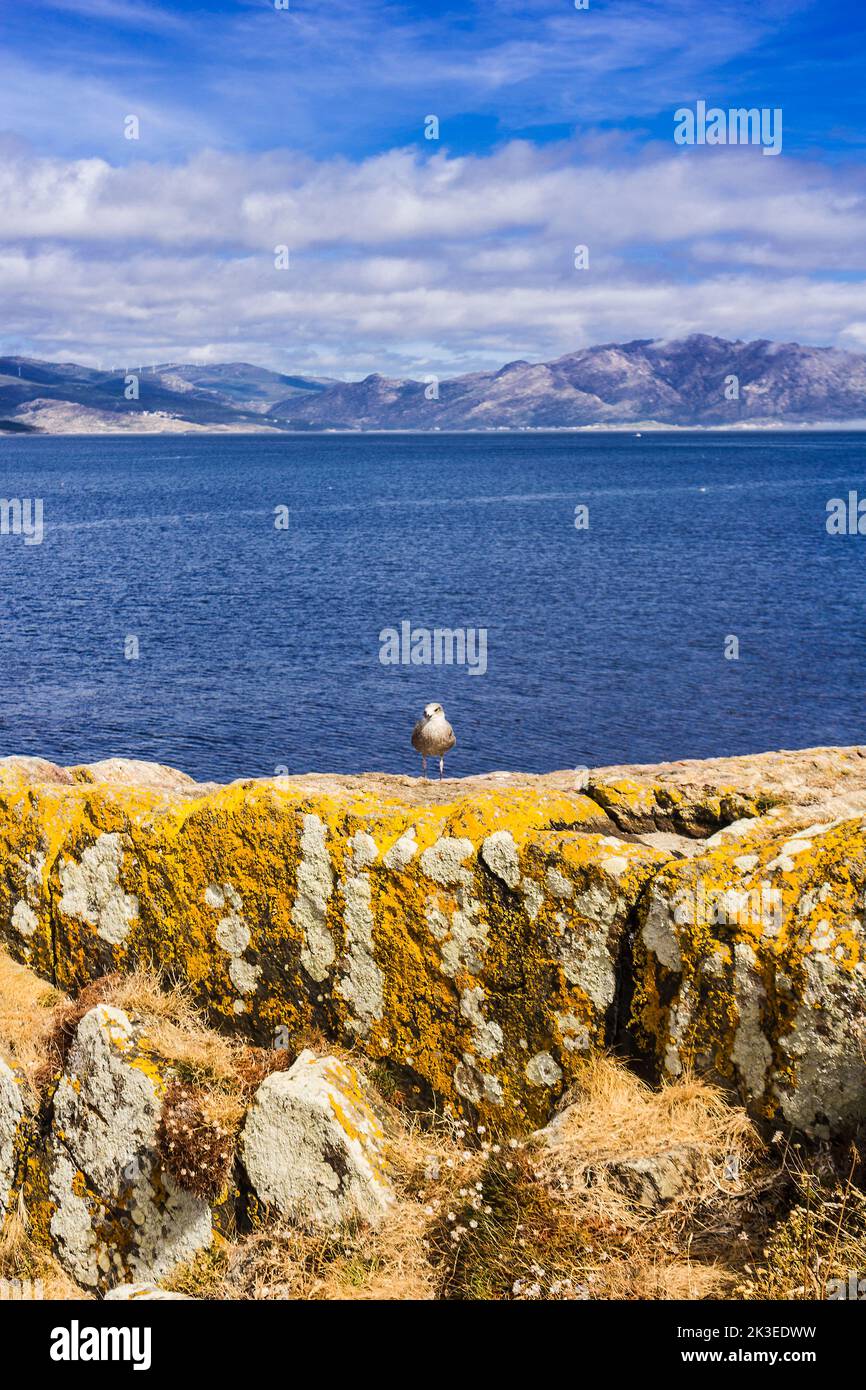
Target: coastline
(639, 426)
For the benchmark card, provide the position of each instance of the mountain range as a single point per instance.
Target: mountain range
(687, 382)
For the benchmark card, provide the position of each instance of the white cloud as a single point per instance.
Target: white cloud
(406, 264)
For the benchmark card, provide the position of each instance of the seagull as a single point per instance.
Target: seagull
(433, 737)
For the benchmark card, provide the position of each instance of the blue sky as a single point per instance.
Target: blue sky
(305, 127)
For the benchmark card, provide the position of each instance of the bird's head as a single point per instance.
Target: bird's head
(430, 710)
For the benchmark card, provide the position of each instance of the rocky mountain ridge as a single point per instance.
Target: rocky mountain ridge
(698, 381)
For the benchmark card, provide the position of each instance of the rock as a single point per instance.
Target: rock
(345, 907)
(14, 770)
(472, 933)
(657, 1179)
(751, 965)
(632, 1159)
(11, 1118)
(117, 1216)
(144, 1293)
(131, 772)
(640, 806)
(313, 1147)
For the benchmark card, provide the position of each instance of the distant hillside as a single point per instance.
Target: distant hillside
(694, 381)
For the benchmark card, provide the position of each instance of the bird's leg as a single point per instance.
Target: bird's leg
(423, 767)
(441, 768)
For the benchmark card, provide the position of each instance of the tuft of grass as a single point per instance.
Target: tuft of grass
(27, 1007)
(23, 1258)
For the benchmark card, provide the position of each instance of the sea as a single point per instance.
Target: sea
(239, 606)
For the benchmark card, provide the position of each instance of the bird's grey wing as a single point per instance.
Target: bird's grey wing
(416, 734)
(451, 737)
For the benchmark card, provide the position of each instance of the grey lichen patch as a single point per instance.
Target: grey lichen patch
(475, 1085)
(678, 1025)
(435, 917)
(465, 946)
(92, 891)
(11, 1116)
(361, 984)
(587, 961)
(487, 1036)
(33, 868)
(598, 903)
(244, 975)
(658, 932)
(543, 1070)
(24, 919)
(533, 898)
(402, 852)
(443, 861)
(575, 1034)
(751, 1052)
(499, 853)
(233, 936)
(310, 908)
(362, 850)
(827, 1051)
(223, 895)
(558, 884)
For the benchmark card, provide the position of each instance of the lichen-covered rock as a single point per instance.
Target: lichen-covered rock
(117, 1217)
(638, 806)
(473, 934)
(143, 1293)
(751, 963)
(473, 941)
(11, 1120)
(313, 1147)
(653, 1180)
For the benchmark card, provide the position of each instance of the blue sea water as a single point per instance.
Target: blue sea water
(259, 648)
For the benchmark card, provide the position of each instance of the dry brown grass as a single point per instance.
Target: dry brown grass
(615, 1116)
(477, 1219)
(225, 1069)
(389, 1263)
(23, 1258)
(820, 1237)
(27, 1006)
(553, 1221)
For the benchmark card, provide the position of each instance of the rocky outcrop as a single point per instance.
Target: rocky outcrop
(123, 1173)
(313, 1147)
(117, 1215)
(483, 936)
(474, 941)
(751, 963)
